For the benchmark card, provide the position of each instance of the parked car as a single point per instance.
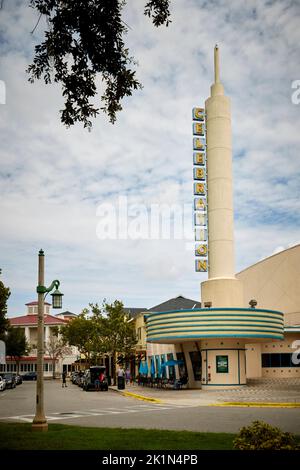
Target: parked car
(2, 384)
(79, 378)
(74, 377)
(91, 375)
(10, 380)
(19, 379)
(29, 376)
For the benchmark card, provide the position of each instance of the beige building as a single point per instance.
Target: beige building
(275, 282)
(229, 340)
(28, 323)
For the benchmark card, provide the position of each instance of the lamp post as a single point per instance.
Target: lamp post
(40, 422)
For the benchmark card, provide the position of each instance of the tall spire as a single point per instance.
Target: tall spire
(217, 64)
(217, 87)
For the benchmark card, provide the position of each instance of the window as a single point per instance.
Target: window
(195, 357)
(139, 333)
(171, 368)
(181, 367)
(285, 360)
(163, 369)
(265, 360)
(277, 360)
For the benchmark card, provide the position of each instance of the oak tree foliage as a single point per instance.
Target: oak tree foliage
(16, 345)
(84, 40)
(4, 296)
(56, 349)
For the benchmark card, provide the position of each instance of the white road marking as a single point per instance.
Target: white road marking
(58, 416)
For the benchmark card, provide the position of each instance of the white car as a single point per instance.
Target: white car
(2, 384)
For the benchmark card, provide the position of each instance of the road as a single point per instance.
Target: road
(72, 405)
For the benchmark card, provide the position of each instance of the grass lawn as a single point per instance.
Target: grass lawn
(63, 437)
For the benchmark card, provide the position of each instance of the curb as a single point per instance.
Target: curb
(141, 397)
(138, 397)
(257, 405)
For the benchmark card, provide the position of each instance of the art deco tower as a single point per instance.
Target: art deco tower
(222, 288)
(213, 339)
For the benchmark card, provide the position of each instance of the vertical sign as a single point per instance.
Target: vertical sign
(200, 190)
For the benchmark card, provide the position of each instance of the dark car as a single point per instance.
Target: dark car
(91, 375)
(29, 376)
(9, 379)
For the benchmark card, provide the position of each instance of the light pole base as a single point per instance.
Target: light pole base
(39, 427)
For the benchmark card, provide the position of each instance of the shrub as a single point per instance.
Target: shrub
(262, 436)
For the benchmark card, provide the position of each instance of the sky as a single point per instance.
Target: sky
(54, 182)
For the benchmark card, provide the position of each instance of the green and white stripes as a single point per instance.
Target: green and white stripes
(183, 325)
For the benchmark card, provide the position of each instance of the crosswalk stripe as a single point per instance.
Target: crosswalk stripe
(56, 415)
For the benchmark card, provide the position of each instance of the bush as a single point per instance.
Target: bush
(262, 436)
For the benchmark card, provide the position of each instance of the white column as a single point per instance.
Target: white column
(219, 180)
(47, 334)
(27, 333)
(222, 288)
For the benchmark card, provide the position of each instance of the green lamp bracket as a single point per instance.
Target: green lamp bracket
(46, 290)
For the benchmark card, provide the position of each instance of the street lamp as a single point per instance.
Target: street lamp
(40, 422)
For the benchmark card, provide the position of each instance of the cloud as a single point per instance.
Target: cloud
(53, 179)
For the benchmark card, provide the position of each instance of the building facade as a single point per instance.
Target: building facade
(275, 282)
(230, 339)
(28, 323)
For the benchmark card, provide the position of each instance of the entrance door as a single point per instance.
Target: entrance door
(196, 362)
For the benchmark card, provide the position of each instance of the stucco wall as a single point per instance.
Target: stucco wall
(275, 284)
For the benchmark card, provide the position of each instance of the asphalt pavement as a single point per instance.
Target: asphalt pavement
(182, 411)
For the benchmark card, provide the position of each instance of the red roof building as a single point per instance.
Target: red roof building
(29, 323)
(32, 320)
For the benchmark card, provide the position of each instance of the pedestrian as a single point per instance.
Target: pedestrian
(101, 377)
(127, 376)
(97, 383)
(64, 379)
(121, 378)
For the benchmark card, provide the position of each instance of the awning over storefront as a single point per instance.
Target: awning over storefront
(172, 362)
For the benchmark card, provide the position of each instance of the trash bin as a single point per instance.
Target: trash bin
(121, 383)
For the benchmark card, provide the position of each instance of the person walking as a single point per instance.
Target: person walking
(97, 383)
(64, 379)
(121, 378)
(127, 376)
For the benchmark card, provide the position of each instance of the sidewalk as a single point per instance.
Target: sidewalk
(261, 392)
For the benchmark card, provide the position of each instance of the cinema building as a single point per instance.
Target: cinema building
(248, 322)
